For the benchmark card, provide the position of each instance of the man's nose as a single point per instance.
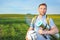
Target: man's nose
(42, 10)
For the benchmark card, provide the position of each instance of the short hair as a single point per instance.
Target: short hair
(43, 4)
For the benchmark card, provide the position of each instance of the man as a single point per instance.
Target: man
(42, 16)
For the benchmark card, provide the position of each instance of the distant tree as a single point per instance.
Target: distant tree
(28, 18)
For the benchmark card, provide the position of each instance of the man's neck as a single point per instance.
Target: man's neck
(41, 16)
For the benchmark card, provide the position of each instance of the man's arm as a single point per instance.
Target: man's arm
(53, 30)
(30, 28)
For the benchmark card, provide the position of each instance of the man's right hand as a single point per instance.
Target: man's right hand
(26, 38)
(40, 31)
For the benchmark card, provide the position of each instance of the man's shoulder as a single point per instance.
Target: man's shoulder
(34, 18)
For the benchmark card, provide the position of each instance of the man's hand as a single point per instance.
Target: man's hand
(41, 31)
(26, 37)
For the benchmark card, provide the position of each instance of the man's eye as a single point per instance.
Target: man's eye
(44, 8)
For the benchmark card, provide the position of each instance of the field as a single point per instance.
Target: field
(15, 26)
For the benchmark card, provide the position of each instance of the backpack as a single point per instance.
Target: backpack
(52, 37)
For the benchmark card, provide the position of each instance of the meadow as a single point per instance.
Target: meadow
(15, 26)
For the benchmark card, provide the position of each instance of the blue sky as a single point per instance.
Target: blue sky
(28, 6)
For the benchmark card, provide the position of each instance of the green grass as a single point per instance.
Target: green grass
(13, 31)
(14, 27)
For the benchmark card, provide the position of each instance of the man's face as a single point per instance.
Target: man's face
(42, 9)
